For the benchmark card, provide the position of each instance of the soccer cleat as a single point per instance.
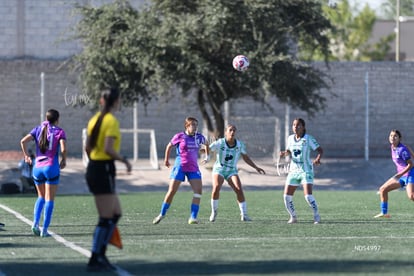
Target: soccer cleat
(193, 221)
(36, 231)
(99, 264)
(158, 219)
(213, 216)
(245, 218)
(316, 219)
(45, 234)
(292, 220)
(381, 215)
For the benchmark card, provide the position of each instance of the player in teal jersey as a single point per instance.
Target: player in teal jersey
(299, 147)
(228, 151)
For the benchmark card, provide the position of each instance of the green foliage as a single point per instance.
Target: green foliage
(349, 40)
(113, 51)
(390, 6)
(189, 45)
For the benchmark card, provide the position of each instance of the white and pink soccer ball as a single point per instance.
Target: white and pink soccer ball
(241, 63)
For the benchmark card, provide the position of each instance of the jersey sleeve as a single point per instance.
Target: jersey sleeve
(175, 139)
(313, 143)
(214, 146)
(201, 139)
(405, 154)
(113, 127)
(243, 148)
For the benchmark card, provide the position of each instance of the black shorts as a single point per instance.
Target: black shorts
(100, 176)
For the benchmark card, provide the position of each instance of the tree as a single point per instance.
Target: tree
(113, 50)
(389, 8)
(349, 40)
(189, 45)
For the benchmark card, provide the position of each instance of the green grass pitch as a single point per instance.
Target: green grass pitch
(348, 241)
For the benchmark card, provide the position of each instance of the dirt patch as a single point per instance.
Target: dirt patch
(11, 155)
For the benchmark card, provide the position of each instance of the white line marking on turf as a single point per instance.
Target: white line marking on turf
(276, 237)
(60, 239)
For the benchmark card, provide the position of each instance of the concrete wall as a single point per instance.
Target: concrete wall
(340, 128)
(33, 41)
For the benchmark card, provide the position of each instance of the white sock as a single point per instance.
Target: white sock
(312, 203)
(214, 204)
(243, 208)
(288, 199)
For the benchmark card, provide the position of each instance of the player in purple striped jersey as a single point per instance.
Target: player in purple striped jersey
(299, 146)
(401, 156)
(49, 139)
(187, 144)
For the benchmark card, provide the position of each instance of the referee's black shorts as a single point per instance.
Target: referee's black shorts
(100, 176)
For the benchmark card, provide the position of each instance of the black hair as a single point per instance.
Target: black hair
(302, 122)
(397, 132)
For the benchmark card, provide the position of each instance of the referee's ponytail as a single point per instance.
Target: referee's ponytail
(109, 98)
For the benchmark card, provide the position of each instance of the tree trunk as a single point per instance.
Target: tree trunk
(215, 131)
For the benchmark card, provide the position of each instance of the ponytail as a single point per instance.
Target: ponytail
(52, 116)
(109, 97)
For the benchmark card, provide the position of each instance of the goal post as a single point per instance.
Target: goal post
(262, 135)
(153, 153)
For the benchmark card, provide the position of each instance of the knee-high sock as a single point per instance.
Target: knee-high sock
(37, 210)
(47, 215)
(214, 204)
(243, 208)
(194, 210)
(112, 224)
(164, 208)
(312, 203)
(288, 199)
(384, 207)
(100, 235)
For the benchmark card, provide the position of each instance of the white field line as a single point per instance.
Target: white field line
(276, 238)
(60, 239)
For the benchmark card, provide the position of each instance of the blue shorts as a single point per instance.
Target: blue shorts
(46, 174)
(180, 175)
(407, 179)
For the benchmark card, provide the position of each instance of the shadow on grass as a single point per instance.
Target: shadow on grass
(209, 268)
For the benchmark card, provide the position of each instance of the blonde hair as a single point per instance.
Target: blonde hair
(188, 121)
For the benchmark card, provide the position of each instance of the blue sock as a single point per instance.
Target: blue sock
(384, 207)
(164, 208)
(100, 235)
(194, 210)
(37, 211)
(111, 228)
(47, 216)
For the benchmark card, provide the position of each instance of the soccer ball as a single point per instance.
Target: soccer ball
(241, 63)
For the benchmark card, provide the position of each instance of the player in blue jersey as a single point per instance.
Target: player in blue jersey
(49, 139)
(401, 156)
(188, 144)
(299, 146)
(228, 152)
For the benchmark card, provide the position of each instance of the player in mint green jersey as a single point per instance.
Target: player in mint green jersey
(299, 147)
(228, 152)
